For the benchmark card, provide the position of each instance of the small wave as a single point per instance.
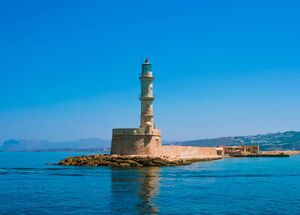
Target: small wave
(26, 171)
(19, 172)
(33, 169)
(246, 176)
(56, 168)
(68, 174)
(3, 173)
(18, 168)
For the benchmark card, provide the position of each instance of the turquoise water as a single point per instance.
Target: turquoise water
(29, 185)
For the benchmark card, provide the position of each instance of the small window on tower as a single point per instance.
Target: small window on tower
(157, 142)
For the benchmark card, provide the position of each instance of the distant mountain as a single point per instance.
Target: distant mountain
(274, 141)
(89, 144)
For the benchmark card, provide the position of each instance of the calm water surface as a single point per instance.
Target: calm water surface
(29, 185)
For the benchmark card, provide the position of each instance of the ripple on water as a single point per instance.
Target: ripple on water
(259, 186)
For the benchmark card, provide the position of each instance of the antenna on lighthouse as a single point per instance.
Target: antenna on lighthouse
(147, 60)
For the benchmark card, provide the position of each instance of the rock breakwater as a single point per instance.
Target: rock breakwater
(121, 161)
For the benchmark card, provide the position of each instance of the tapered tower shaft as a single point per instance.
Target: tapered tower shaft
(146, 96)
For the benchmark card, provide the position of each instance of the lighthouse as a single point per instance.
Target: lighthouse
(135, 146)
(145, 140)
(146, 97)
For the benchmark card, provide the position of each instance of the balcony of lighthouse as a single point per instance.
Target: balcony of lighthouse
(146, 97)
(135, 131)
(146, 75)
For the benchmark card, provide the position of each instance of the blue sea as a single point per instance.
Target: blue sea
(30, 183)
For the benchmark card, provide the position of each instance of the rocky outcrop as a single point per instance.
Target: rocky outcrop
(124, 161)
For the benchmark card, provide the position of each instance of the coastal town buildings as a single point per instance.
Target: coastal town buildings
(240, 150)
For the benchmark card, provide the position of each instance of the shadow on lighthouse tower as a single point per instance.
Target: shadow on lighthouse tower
(145, 140)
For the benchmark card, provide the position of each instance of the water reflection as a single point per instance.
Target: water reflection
(133, 190)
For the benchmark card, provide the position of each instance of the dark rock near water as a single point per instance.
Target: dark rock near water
(121, 161)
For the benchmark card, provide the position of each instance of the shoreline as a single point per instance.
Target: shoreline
(287, 152)
(156, 161)
(130, 160)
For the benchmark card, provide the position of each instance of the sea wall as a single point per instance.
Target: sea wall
(188, 152)
(137, 141)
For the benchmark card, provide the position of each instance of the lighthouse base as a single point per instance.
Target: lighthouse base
(135, 141)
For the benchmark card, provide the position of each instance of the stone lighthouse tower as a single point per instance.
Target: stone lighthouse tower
(146, 97)
(145, 140)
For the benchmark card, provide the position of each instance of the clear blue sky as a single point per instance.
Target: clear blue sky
(69, 69)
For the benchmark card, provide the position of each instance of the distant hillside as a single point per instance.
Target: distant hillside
(275, 141)
(89, 144)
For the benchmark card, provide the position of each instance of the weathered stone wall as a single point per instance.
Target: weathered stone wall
(136, 145)
(240, 150)
(135, 142)
(188, 152)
